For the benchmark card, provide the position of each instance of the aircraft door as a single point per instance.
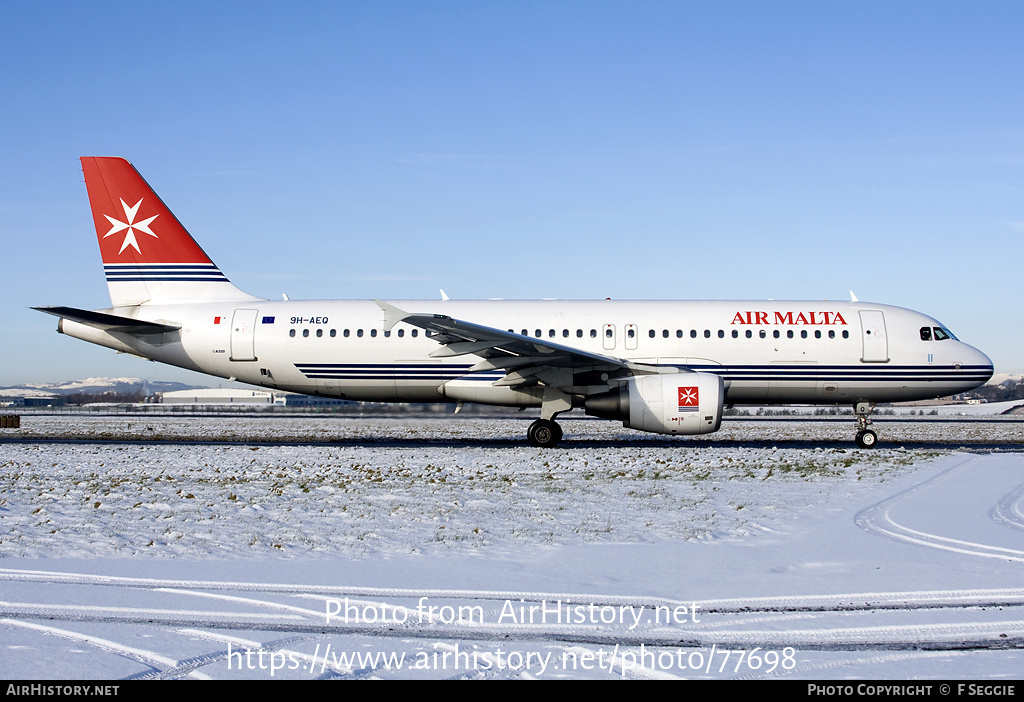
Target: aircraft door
(876, 346)
(243, 327)
(608, 336)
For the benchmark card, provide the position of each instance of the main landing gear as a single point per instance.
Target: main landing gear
(544, 433)
(865, 438)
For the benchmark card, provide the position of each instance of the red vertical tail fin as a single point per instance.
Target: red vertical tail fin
(148, 256)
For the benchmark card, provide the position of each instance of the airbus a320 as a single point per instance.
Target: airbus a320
(668, 367)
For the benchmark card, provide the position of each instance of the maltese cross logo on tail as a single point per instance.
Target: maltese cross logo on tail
(688, 400)
(131, 225)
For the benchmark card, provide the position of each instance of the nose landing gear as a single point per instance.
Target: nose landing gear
(865, 438)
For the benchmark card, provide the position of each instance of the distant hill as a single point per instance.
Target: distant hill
(1006, 379)
(1002, 387)
(95, 386)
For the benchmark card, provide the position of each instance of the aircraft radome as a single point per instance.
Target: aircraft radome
(658, 366)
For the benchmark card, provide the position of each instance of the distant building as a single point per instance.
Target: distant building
(222, 396)
(236, 396)
(34, 400)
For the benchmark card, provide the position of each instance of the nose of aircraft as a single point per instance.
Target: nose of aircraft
(977, 364)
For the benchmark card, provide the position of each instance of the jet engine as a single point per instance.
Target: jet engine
(676, 403)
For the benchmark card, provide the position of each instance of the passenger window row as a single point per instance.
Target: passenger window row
(679, 333)
(552, 333)
(346, 333)
(926, 333)
(749, 334)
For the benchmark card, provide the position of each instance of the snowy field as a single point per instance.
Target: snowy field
(298, 547)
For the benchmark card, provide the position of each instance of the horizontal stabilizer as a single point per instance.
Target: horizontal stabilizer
(109, 322)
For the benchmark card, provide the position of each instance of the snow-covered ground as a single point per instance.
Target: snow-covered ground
(234, 548)
(982, 409)
(979, 410)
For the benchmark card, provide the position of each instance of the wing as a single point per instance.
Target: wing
(525, 360)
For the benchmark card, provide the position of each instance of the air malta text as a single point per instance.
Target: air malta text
(789, 318)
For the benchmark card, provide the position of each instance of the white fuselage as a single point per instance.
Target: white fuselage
(766, 351)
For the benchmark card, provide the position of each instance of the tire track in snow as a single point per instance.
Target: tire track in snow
(150, 659)
(741, 631)
(1009, 511)
(878, 520)
(953, 636)
(187, 667)
(912, 599)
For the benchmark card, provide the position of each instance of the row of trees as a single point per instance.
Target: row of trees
(85, 398)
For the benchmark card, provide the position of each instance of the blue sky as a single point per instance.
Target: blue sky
(641, 150)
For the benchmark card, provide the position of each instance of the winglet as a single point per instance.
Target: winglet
(853, 298)
(392, 315)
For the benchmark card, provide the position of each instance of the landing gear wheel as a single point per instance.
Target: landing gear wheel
(866, 438)
(544, 433)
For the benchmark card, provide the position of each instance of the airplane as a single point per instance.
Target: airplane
(669, 367)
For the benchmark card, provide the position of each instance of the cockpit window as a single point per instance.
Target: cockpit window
(926, 333)
(942, 334)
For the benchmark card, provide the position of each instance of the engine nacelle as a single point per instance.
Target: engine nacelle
(676, 403)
